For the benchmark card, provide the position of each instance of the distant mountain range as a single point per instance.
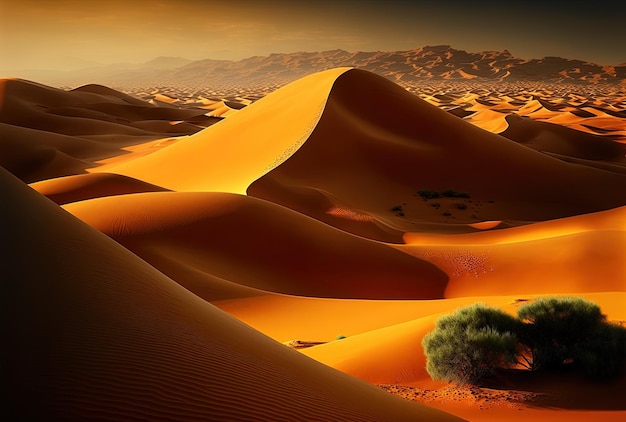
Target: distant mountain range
(430, 63)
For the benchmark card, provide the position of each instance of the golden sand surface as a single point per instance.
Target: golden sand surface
(167, 249)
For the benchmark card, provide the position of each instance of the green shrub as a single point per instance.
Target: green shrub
(470, 344)
(554, 328)
(550, 334)
(602, 355)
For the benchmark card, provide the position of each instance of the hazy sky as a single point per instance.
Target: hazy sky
(57, 34)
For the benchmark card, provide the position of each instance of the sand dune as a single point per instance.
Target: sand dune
(33, 155)
(363, 150)
(382, 345)
(123, 341)
(375, 161)
(135, 324)
(244, 147)
(46, 132)
(554, 138)
(75, 188)
(257, 244)
(383, 338)
(582, 250)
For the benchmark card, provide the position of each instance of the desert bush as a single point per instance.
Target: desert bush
(603, 355)
(428, 194)
(554, 328)
(471, 344)
(549, 334)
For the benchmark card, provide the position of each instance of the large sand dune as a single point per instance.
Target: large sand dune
(244, 147)
(93, 331)
(300, 215)
(47, 132)
(258, 244)
(381, 145)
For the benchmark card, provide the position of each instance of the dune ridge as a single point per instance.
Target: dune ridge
(255, 142)
(376, 161)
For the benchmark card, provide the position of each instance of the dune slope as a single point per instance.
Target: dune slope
(376, 145)
(578, 254)
(63, 190)
(92, 330)
(257, 244)
(47, 132)
(229, 156)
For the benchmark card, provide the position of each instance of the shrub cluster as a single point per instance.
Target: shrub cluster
(427, 194)
(549, 334)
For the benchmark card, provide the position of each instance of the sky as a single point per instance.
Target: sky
(72, 34)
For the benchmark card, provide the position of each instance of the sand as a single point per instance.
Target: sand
(184, 239)
(92, 330)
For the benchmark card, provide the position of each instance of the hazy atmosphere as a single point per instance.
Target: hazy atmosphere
(72, 34)
(336, 211)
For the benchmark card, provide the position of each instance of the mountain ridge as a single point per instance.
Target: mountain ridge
(427, 63)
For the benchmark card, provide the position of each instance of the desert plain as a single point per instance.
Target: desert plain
(173, 254)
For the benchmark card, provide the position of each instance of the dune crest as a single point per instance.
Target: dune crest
(376, 163)
(230, 156)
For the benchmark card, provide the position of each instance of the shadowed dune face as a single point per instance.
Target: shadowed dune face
(90, 329)
(81, 187)
(242, 148)
(552, 138)
(46, 132)
(283, 251)
(379, 145)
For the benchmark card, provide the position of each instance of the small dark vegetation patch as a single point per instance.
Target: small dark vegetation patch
(428, 194)
(398, 210)
(451, 193)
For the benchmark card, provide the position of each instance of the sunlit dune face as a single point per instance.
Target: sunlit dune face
(340, 215)
(486, 225)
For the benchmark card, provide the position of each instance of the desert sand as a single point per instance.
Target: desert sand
(186, 245)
